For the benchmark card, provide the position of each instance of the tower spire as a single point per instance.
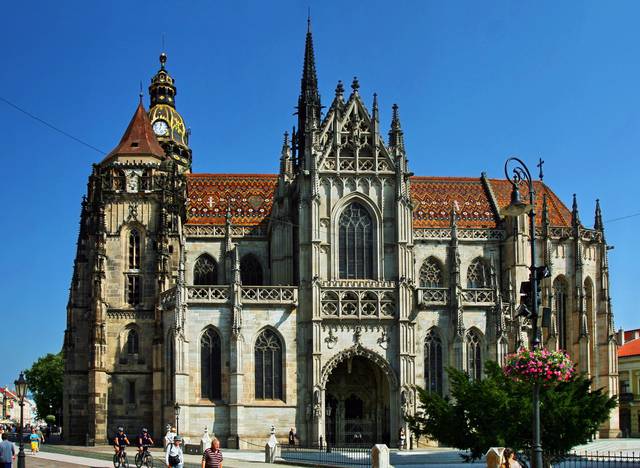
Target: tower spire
(309, 101)
(396, 136)
(575, 217)
(598, 225)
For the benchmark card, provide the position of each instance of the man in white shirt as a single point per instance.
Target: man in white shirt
(174, 457)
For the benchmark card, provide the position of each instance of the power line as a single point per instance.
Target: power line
(622, 217)
(51, 126)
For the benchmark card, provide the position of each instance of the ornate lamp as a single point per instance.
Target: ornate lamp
(21, 391)
(176, 408)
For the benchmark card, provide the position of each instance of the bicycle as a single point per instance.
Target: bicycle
(120, 459)
(145, 458)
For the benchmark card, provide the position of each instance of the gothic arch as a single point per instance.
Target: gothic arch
(431, 274)
(358, 350)
(251, 270)
(434, 360)
(475, 352)
(205, 270)
(376, 219)
(210, 351)
(269, 387)
(561, 309)
(479, 273)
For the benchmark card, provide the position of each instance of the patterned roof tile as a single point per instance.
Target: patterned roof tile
(248, 196)
(434, 198)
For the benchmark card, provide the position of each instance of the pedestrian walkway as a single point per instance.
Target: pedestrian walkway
(101, 455)
(59, 460)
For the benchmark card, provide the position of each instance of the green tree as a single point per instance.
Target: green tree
(44, 380)
(497, 412)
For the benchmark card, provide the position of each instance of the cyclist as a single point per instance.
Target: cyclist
(144, 440)
(120, 441)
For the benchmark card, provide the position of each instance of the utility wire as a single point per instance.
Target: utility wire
(622, 217)
(51, 126)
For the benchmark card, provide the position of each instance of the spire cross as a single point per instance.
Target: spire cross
(539, 165)
(210, 202)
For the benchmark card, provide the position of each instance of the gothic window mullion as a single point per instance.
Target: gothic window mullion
(355, 243)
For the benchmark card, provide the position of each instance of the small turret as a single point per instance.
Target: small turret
(598, 225)
(575, 217)
(396, 135)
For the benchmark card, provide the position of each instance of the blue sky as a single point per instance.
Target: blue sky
(475, 82)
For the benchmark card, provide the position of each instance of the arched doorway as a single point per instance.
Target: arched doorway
(357, 403)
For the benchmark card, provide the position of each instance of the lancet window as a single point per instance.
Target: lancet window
(205, 271)
(431, 274)
(210, 365)
(268, 362)
(355, 250)
(479, 274)
(433, 362)
(251, 271)
(474, 355)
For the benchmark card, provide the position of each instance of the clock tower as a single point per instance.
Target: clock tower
(167, 123)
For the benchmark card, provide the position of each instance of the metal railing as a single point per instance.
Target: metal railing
(327, 455)
(589, 459)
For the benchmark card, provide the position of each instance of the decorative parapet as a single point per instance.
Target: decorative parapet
(432, 296)
(208, 294)
(207, 230)
(270, 295)
(287, 295)
(563, 233)
(463, 234)
(479, 296)
(355, 300)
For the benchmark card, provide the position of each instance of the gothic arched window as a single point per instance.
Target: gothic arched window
(431, 274)
(433, 362)
(268, 362)
(251, 271)
(478, 274)
(205, 271)
(210, 365)
(474, 355)
(134, 250)
(132, 342)
(355, 243)
(560, 303)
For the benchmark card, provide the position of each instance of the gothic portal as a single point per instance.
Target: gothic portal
(316, 297)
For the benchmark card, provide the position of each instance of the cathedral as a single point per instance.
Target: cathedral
(317, 297)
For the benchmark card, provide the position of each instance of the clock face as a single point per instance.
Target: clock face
(160, 128)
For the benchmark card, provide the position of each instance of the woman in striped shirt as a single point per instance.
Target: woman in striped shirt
(212, 457)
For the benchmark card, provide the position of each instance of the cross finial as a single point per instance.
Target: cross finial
(539, 165)
(308, 19)
(141, 93)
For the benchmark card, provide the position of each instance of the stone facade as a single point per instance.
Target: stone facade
(315, 298)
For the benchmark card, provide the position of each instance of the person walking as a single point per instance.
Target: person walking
(292, 437)
(174, 457)
(7, 452)
(34, 438)
(212, 457)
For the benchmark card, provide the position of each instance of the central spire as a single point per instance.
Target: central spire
(309, 101)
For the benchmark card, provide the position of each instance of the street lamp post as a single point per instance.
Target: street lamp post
(519, 174)
(176, 407)
(21, 390)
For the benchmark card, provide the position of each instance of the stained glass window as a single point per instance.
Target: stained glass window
(251, 271)
(268, 362)
(560, 302)
(210, 365)
(355, 243)
(474, 355)
(433, 362)
(478, 274)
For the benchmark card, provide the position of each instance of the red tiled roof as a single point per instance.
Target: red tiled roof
(138, 138)
(434, 198)
(559, 215)
(631, 348)
(249, 197)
